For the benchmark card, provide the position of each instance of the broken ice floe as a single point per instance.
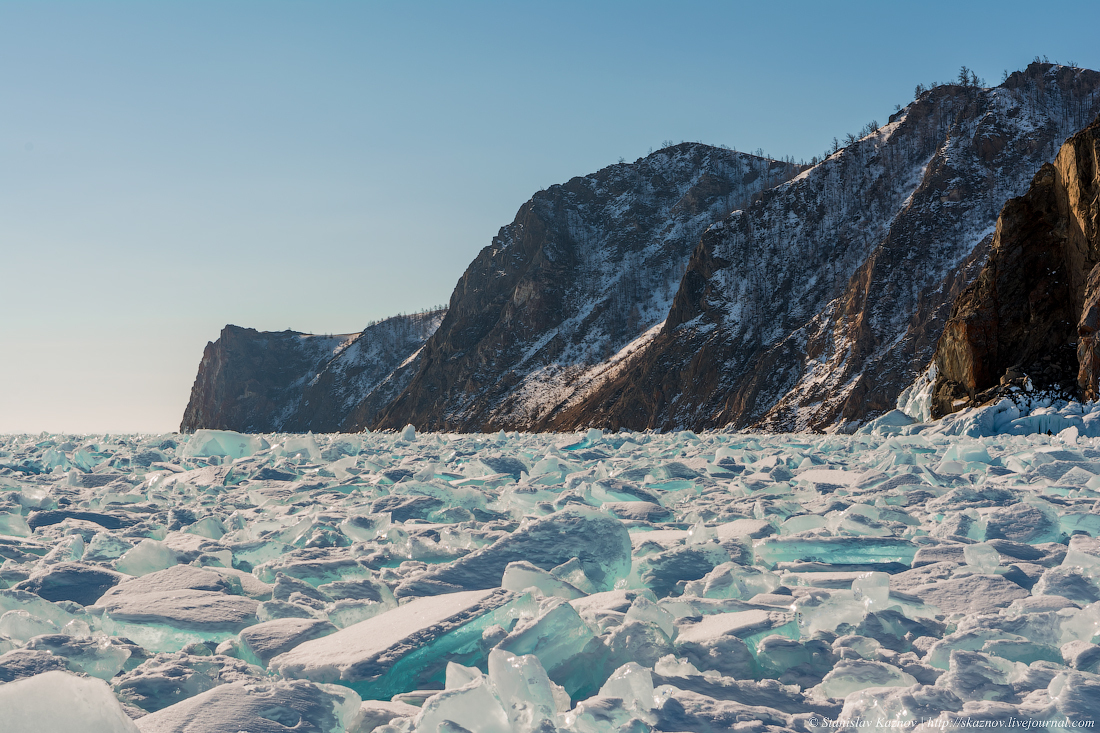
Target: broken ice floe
(596, 582)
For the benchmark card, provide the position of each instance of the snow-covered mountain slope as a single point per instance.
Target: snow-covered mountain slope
(582, 276)
(366, 375)
(288, 381)
(816, 305)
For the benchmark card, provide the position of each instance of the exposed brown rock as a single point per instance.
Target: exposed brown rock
(1088, 343)
(1035, 308)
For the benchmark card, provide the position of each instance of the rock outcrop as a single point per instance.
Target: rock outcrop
(1033, 311)
(253, 381)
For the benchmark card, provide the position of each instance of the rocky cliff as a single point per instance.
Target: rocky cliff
(286, 381)
(252, 381)
(816, 305)
(1033, 311)
(583, 277)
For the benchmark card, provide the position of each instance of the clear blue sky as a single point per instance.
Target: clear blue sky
(170, 167)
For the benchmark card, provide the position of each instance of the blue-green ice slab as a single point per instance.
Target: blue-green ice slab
(406, 648)
(835, 550)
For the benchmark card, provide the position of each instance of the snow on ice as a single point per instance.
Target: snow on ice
(915, 574)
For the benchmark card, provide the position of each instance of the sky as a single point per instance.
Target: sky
(167, 168)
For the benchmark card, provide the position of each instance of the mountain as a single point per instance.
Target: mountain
(255, 381)
(697, 287)
(1034, 311)
(583, 277)
(815, 306)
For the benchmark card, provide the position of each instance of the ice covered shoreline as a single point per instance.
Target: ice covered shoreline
(913, 574)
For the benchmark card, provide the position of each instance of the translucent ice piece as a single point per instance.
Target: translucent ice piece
(530, 698)
(519, 576)
(835, 550)
(459, 676)
(967, 452)
(209, 527)
(700, 533)
(97, 656)
(939, 653)
(873, 589)
(23, 626)
(977, 676)
(815, 613)
(727, 642)
(572, 572)
(593, 436)
(673, 666)
(861, 645)
(801, 523)
(223, 443)
(148, 556)
(732, 580)
(364, 528)
(300, 446)
(858, 519)
(70, 549)
(349, 612)
(664, 572)
(39, 608)
(645, 610)
(983, 557)
(602, 714)
(408, 434)
(13, 525)
(807, 661)
(473, 706)
(89, 706)
(566, 647)
(340, 468)
(633, 684)
(852, 675)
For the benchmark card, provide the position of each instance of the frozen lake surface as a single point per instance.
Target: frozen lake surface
(901, 577)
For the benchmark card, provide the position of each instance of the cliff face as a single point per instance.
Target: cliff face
(1033, 309)
(584, 274)
(815, 306)
(255, 381)
(252, 381)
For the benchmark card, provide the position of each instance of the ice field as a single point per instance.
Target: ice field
(923, 576)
